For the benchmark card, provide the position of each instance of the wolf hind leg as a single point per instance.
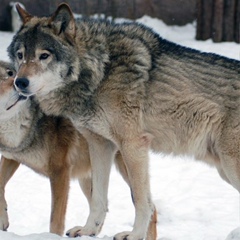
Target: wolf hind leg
(229, 156)
(222, 174)
(152, 228)
(231, 170)
(135, 155)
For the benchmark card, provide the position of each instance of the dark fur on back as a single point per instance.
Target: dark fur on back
(132, 46)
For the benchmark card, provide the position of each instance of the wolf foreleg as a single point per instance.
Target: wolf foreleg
(102, 152)
(7, 169)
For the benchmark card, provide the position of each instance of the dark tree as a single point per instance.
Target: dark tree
(172, 12)
(218, 19)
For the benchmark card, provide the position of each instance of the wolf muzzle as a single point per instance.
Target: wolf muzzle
(22, 84)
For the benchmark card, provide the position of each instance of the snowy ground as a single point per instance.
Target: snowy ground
(193, 202)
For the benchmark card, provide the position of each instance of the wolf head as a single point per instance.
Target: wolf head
(9, 98)
(43, 51)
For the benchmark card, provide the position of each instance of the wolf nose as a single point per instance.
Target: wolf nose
(22, 83)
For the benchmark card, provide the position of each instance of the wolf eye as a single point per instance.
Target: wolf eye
(44, 56)
(20, 55)
(10, 73)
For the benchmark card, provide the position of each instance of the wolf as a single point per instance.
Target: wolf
(49, 145)
(128, 90)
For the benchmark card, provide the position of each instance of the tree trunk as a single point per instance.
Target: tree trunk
(229, 15)
(217, 24)
(219, 20)
(237, 25)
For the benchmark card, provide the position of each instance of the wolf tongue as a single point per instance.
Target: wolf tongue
(21, 97)
(12, 104)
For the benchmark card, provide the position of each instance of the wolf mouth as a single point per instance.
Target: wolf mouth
(20, 98)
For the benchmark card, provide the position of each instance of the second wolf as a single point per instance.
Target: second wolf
(125, 88)
(49, 145)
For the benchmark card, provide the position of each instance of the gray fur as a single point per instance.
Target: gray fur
(132, 91)
(49, 145)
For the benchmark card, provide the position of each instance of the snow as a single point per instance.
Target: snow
(192, 201)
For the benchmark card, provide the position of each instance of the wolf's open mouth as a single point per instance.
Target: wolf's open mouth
(21, 97)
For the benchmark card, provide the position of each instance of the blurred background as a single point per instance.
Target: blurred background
(216, 19)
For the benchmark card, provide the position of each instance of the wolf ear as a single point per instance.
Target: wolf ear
(23, 14)
(63, 20)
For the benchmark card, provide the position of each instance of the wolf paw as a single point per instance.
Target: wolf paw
(80, 231)
(127, 236)
(4, 224)
(3, 218)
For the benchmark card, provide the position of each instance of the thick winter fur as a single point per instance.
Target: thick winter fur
(49, 145)
(125, 88)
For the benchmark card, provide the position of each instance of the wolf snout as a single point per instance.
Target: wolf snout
(22, 83)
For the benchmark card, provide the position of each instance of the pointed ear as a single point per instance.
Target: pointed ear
(63, 20)
(23, 14)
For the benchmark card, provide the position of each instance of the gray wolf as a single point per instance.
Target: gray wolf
(49, 145)
(126, 89)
